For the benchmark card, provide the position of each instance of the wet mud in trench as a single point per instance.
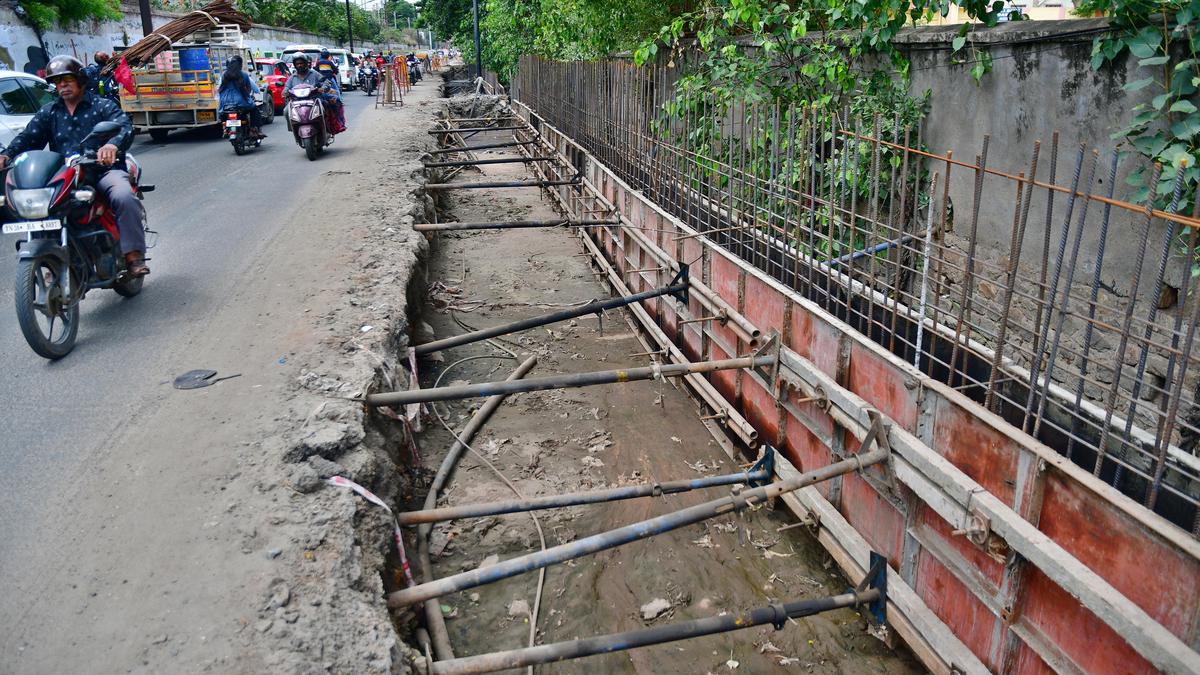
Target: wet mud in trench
(566, 440)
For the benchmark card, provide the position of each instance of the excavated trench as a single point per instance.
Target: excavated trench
(566, 440)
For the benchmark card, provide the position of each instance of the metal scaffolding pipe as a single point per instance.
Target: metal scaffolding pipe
(564, 381)
(434, 621)
(753, 477)
(629, 533)
(511, 225)
(776, 614)
(495, 160)
(870, 250)
(499, 184)
(677, 288)
(438, 132)
(482, 146)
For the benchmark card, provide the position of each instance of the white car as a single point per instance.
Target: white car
(21, 95)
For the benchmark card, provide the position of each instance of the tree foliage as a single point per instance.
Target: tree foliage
(323, 17)
(1164, 37)
(45, 13)
(560, 29)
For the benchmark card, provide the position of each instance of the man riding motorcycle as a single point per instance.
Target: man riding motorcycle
(308, 77)
(236, 94)
(63, 124)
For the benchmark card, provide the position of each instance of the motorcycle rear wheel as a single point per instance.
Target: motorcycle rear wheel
(311, 149)
(239, 148)
(35, 286)
(130, 287)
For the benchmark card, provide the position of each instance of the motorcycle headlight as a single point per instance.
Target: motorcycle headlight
(33, 203)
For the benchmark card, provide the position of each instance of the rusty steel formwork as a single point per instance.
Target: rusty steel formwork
(1041, 505)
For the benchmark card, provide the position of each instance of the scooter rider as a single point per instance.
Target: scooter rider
(64, 124)
(236, 93)
(304, 75)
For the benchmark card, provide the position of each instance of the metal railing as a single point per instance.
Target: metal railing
(1017, 307)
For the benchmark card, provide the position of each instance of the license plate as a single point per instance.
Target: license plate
(233, 123)
(206, 115)
(32, 226)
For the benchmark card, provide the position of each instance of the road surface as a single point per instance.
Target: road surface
(213, 212)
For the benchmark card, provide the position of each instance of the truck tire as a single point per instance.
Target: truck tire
(159, 135)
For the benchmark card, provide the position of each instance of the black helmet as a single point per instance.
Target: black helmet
(234, 61)
(324, 53)
(63, 65)
(299, 57)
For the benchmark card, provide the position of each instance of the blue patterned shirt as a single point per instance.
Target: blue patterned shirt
(62, 131)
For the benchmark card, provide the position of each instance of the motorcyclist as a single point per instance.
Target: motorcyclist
(63, 125)
(236, 94)
(326, 67)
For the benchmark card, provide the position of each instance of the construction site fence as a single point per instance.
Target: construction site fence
(1049, 313)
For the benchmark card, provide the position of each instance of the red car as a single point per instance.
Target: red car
(276, 73)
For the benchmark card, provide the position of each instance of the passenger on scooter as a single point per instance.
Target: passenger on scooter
(304, 76)
(236, 94)
(64, 124)
(328, 69)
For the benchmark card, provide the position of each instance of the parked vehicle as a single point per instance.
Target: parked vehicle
(21, 95)
(274, 73)
(71, 239)
(237, 130)
(308, 118)
(368, 77)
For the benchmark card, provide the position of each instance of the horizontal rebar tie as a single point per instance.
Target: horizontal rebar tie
(511, 225)
(567, 381)
(496, 160)
(624, 535)
(499, 184)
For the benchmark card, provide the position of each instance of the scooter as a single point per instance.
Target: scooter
(237, 130)
(307, 119)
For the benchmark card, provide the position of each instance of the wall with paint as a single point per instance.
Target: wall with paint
(21, 50)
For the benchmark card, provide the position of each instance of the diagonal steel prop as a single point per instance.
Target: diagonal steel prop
(759, 474)
(678, 289)
(640, 530)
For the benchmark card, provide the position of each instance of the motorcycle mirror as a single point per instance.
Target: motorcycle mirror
(101, 133)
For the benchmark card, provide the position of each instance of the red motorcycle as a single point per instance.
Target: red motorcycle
(72, 244)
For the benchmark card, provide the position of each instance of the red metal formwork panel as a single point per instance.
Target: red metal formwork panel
(815, 340)
(1075, 631)
(1139, 564)
(987, 456)
(882, 384)
(1027, 662)
(725, 381)
(989, 572)
(760, 410)
(763, 305)
(873, 516)
(968, 618)
(725, 275)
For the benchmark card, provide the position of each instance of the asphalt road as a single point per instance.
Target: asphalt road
(213, 211)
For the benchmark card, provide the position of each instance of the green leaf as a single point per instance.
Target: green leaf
(1154, 61)
(1187, 127)
(1145, 43)
(958, 42)
(1185, 64)
(1161, 100)
(1140, 84)
(1185, 107)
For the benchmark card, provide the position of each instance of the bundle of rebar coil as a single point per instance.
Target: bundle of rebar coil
(214, 13)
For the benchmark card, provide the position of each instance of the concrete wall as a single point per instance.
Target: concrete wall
(20, 49)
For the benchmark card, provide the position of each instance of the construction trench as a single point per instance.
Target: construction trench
(648, 454)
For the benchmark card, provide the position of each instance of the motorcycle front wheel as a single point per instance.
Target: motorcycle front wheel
(311, 149)
(47, 321)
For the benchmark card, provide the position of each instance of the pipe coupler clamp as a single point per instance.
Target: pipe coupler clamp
(656, 490)
(779, 615)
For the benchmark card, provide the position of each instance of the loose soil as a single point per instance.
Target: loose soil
(579, 439)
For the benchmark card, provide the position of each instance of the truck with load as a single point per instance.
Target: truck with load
(178, 90)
